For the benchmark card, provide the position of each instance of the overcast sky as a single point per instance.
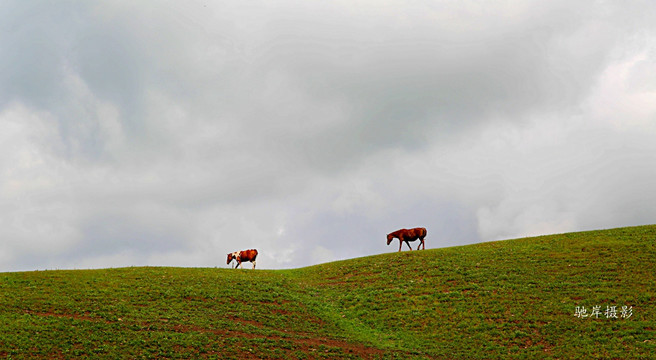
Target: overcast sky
(169, 133)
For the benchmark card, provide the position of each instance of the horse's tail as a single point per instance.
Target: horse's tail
(423, 232)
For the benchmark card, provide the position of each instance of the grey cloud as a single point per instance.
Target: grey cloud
(390, 81)
(399, 84)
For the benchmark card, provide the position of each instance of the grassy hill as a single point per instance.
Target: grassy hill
(505, 299)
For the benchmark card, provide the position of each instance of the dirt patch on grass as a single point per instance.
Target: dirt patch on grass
(275, 302)
(197, 299)
(244, 321)
(282, 312)
(333, 283)
(82, 317)
(313, 344)
(307, 343)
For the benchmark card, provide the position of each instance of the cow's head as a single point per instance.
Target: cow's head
(389, 238)
(230, 257)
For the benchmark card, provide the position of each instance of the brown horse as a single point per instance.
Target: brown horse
(408, 235)
(241, 256)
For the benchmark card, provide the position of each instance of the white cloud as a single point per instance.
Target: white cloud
(624, 97)
(36, 216)
(322, 255)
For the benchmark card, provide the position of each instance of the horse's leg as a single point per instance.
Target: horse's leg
(253, 264)
(400, 244)
(408, 242)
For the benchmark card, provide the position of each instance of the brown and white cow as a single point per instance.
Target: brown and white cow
(241, 256)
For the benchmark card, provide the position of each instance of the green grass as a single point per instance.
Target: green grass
(497, 300)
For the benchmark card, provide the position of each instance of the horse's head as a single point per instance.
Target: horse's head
(390, 237)
(230, 257)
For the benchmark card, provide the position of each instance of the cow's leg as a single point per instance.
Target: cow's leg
(253, 264)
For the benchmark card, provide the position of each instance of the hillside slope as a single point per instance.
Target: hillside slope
(507, 299)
